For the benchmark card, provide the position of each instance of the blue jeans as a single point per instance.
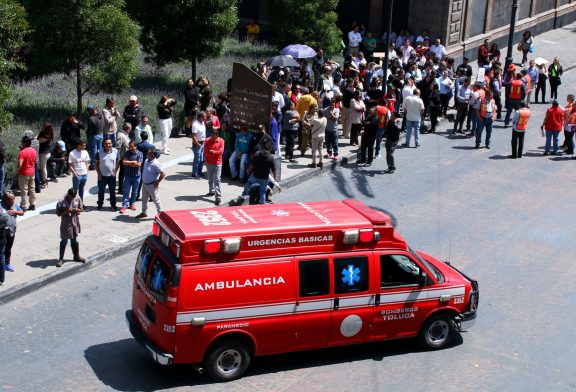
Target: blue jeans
(109, 181)
(379, 136)
(262, 183)
(552, 136)
(484, 123)
(198, 160)
(413, 126)
(130, 190)
(78, 184)
(111, 136)
(244, 159)
(332, 143)
(94, 145)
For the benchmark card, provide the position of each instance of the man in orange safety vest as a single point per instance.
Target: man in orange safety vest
(519, 125)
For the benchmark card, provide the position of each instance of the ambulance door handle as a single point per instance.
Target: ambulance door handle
(336, 303)
(377, 300)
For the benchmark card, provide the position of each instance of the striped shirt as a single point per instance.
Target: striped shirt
(133, 156)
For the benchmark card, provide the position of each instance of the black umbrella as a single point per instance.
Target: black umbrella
(281, 61)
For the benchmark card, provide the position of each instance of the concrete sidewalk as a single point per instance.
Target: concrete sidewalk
(107, 234)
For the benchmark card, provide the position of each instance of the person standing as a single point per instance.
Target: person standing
(532, 70)
(78, 163)
(164, 109)
(354, 41)
(541, 85)
(393, 129)
(519, 125)
(110, 114)
(198, 138)
(70, 131)
(347, 97)
(94, 133)
(435, 106)
(145, 127)
(462, 99)
(317, 133)
(191, 98)
(516, 93)
(152, 176)
(525, 44)
(553, 125)
(496, 87)
(11, 210)
(132, 162)
(383, 117)
(414, 109)
(356, 114)
(26, 171)
(45, 139)
(69, 209)
(555, 71)
(106, 162)
(486, 115)
(132, 114)
(213, 151)
(569, 128)
(332, 113)
(371, 124)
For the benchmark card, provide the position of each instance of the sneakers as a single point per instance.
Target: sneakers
(142, 215)
(210, 194)
(293, 161)
(389, 171)
(122, 210)
(32, 207)
(335, 157)
(9, 268)
(217, 202)
(132, 207)
(60, 263)
(99, 208)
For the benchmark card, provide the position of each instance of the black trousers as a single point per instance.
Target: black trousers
(367, 145)
(517, 143)
(121, 178)
(498, 102)
(434, 112)
(354, 132)
(390, 148)
(554, 83)
(540, 86)
(461, 113)
(289, 147)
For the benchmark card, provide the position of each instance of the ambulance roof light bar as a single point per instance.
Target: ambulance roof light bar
(363, 235)
(227, 246)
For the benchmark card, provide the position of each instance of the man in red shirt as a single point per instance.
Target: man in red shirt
(483, 53)
(553, 125)
(213, 150)
(26, 162)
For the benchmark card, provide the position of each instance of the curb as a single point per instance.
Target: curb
(25, 288)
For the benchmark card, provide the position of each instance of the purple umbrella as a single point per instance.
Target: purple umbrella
(298, 51)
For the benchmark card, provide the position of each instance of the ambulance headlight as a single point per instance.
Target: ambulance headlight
(351, 236)
(231, 245)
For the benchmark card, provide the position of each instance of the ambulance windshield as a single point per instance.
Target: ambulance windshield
(433, 270)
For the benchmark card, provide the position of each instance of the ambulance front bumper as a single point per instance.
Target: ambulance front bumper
(466, 320)
(157, 354)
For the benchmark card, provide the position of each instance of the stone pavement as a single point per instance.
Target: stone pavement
(106, 234)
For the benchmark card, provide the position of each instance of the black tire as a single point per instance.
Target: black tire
(227, 361)
(437, 331)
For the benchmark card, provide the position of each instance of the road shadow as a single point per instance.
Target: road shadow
(463, 147)
(42, 264)
(124, 366)
(180, 176)
(532, 154)
(499, 157)
(562, 158)
(193, 198)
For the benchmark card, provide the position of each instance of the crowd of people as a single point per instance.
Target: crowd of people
(313, 106)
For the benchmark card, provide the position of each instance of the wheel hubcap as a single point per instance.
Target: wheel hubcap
(438, 332)
(229, 361)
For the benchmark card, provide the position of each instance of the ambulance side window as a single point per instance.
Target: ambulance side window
(350, 274)
(159, 274)
(143, 262)
(398, 270)
(314, 277)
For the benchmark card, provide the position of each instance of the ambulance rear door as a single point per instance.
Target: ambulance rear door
(352, 300)
(154, 300)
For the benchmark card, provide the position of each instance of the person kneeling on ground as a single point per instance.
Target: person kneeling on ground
(260, 168)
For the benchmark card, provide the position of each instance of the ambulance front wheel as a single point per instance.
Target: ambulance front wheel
(437, 332)
(227, 360)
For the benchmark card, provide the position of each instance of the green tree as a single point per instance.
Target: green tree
(93, 40)
(311, 22)
(13, 30)
(186, 30)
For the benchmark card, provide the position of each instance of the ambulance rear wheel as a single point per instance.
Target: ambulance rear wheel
(227, 361)
(437, 331)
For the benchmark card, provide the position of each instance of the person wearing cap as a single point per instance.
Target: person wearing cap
(516, 93)
(110, 114)
(552, 123)
(132, 114)
(213, 151)
(94, 133)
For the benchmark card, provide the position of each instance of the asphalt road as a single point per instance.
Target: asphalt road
(507, 223)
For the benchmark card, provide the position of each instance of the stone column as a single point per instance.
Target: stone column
(488, 16)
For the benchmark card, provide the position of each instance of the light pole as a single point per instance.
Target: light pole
(511, 34)
(387, 48)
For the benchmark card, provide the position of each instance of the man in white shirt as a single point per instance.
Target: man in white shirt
(354, 41)
(413, 109)
(144, 126)
(198, 137)
(438, 49)
(78, 162)
(406, 51)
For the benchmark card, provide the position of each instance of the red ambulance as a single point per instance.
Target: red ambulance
(216, 287)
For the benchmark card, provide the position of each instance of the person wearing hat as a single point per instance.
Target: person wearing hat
(213, 151)
(552, 123)
(516, 93)
(94, 133)
(132, 114)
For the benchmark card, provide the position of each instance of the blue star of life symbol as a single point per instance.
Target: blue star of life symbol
(280, 213)
(350, 275)
(157, 279)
